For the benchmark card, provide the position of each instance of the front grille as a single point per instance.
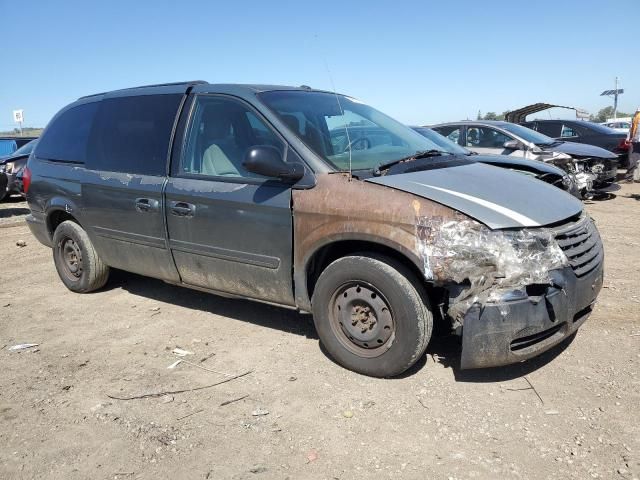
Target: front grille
(581, 243)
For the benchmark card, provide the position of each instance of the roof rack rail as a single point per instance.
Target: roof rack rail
(190, 82)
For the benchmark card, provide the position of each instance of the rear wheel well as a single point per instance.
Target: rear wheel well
(331, 252)
(56, 218)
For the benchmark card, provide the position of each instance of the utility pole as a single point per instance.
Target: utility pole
(615, 101)
(614, 93)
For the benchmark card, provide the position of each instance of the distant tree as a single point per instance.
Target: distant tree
(491, 116)
(479, 117)
(606, 113)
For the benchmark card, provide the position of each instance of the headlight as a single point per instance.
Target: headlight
(8, 167)
(567, 182)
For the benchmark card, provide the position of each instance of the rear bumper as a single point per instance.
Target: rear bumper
(512, 331)
(14, 184)
(35, 221)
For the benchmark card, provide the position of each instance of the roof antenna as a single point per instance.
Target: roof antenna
(346, 127)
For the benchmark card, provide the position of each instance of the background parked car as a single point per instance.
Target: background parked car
(12, 166)
(618, 126)
(594, 167)
(8, 145)
(585, 132)
(542, 171)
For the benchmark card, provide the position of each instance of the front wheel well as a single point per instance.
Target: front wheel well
(331, 252)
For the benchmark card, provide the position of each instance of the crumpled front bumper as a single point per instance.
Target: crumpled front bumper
(507, 332)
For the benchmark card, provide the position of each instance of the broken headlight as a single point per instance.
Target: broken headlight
(488, 262)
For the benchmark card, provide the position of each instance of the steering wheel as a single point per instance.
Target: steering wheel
(355, 141)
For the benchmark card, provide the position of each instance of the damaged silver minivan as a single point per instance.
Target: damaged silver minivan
(262, 192)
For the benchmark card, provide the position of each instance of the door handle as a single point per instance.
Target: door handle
(182, 209)
(145, 205)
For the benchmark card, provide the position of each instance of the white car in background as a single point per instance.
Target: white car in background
(622, 126)
(592, 167)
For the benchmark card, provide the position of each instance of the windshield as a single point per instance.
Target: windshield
(26, 149)
(333, 125)
(527, 134)
(443, 142)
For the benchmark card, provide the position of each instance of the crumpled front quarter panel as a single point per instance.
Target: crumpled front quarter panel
(339, 208)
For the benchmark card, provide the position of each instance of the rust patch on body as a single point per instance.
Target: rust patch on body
(341, 209)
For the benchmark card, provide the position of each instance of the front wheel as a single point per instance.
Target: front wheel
(78, 265)
(371, 315)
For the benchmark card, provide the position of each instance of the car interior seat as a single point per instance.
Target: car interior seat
(222, 155)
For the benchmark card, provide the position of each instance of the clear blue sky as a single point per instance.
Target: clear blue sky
(419, 61)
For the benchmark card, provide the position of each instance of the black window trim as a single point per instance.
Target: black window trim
(179, 150)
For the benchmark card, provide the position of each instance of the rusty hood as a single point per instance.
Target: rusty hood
(494, 196)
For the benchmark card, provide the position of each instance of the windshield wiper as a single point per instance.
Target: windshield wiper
(421, 154)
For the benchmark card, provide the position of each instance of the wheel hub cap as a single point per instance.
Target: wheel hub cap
(363, 316)
(72, 257)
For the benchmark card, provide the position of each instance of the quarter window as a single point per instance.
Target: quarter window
(567, 131)
(221, 132)
(132, 134)
(66, 138)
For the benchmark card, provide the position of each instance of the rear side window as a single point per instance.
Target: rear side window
(551, 129)
(451, 132)
(132, 134)
(567, 131)
(66, 138)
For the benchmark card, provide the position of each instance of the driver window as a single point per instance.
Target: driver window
(484, 137)
(221, 133)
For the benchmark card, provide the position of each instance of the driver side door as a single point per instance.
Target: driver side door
(229, 230)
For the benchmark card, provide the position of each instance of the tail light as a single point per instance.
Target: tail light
(26, 179)
(624, 145)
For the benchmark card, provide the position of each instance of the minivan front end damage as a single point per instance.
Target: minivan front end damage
(510, 287)
(511, 293)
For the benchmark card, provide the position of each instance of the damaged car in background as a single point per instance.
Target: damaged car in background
(12, 166)
(593, 168)
(239, 190)
(545, 172)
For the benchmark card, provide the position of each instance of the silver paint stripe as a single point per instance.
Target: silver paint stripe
(515, 216)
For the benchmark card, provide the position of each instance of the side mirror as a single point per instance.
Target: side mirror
(267, 160)
(512, 145)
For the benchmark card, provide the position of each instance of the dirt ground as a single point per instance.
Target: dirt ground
(302, 416)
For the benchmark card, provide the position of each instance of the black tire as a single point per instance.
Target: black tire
(3, 186)
(349, 302)
(78, 265)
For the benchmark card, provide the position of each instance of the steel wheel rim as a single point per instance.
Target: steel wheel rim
(70, 256)
(362, 319)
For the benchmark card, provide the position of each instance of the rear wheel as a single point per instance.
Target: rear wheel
(3, 186)
(371, 314)
(78, 265)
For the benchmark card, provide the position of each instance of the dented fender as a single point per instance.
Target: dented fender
(341, 209)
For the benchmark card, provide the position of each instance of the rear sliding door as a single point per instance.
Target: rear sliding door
(127, 160)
